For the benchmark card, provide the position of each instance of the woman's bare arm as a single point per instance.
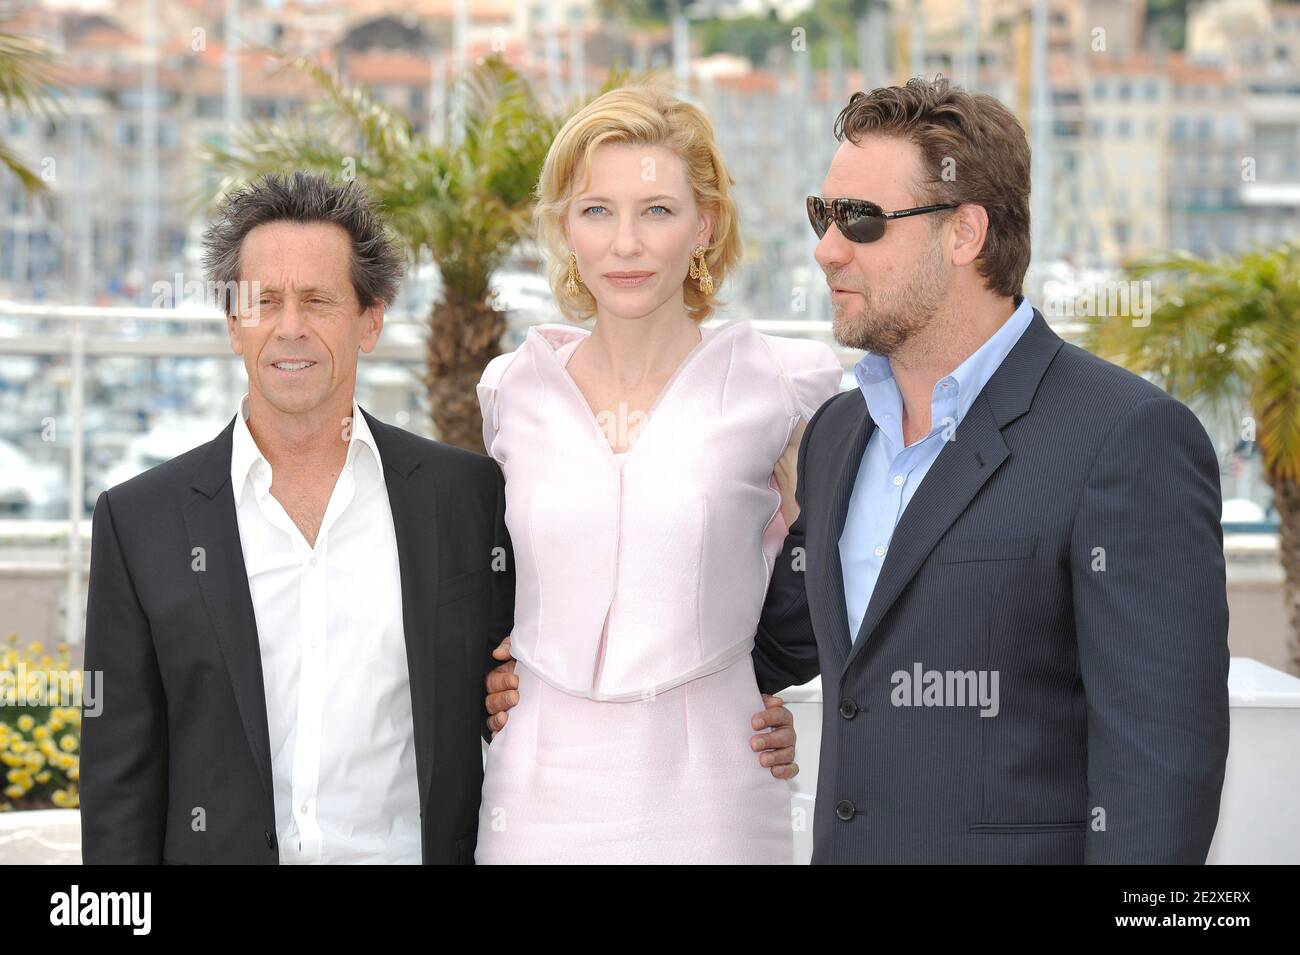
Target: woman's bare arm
(787, 475)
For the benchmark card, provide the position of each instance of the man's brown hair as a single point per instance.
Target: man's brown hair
(972, 150)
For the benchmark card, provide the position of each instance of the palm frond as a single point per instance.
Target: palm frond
(26, 87)
(26, 75)
(1225, 338)
(385, 131)
(30, 181)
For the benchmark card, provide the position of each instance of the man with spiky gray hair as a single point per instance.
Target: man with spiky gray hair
(294, 620)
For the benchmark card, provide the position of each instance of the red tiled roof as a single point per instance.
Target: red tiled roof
(1183, 72)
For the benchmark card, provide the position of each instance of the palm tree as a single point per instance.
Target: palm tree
(25, 73)
(467, 203)
(1225, 338)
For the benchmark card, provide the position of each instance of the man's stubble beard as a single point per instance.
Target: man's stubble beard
(885, 323)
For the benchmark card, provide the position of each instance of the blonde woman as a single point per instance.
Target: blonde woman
(648, 468)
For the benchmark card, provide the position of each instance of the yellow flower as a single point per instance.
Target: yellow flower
(43, 776)
(74, 774)
(14, 792)
(35, 647)
(10, 759)
(56, 724)
(60, 798)
(12, 638)
(68, 743)
(41, 732)
(25, 722)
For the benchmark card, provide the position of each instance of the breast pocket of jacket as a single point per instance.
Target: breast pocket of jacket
(972, 579)
(978, 550)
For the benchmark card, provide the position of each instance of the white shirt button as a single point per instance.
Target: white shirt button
(880, 550)
(898, 480)
(304, 808)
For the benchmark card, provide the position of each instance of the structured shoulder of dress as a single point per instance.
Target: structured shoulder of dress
(538, 336)
(799, 354)
(810, 369)
(487, 396)
(543, 336)
(496, 368)
(555, 334)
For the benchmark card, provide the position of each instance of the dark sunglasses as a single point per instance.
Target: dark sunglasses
(857, 219)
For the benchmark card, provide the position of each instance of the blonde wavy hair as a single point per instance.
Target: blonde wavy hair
(643, 114)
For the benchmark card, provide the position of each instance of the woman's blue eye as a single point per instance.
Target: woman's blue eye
(663, 210)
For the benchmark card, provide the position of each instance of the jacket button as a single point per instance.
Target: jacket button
(844, 809)
(270, 840)
(848, 709)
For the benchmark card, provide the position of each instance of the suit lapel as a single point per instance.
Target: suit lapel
(413, 499)
(965, 463)
(827, 603)
(211, 523)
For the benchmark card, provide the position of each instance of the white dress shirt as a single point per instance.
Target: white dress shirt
(329, 624)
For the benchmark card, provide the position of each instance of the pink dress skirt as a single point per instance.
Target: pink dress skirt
(665, 780)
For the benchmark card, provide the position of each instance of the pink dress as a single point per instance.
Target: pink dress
(640, 578)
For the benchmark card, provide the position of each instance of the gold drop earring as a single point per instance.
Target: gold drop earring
(574, 279)
(700, 270)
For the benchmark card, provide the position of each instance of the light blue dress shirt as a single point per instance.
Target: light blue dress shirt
(890, 473)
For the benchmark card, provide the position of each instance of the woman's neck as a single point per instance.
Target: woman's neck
(634, 351)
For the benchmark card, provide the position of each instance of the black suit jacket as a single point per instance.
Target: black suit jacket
(1068, 538)
(183, 725)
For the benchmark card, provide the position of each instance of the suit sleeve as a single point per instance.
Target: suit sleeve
(785, 647)
(1151, 616)
(123, 770)
(503, 593)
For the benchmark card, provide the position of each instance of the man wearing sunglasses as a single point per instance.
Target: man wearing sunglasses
(1008, 564)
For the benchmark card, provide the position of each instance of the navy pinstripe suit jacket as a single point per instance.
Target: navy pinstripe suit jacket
(1066, 539)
